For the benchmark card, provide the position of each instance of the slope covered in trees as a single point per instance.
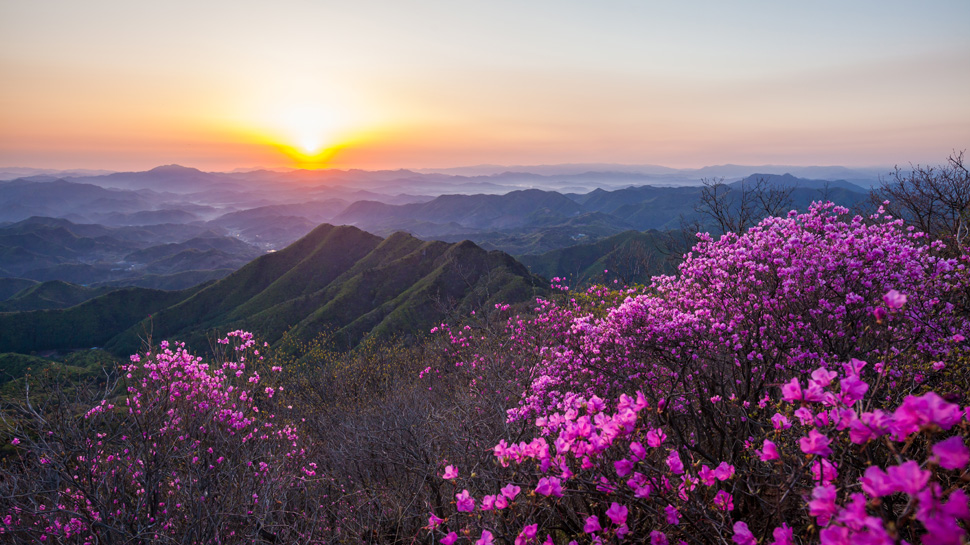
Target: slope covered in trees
(337, 279)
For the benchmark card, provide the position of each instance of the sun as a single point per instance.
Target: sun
(309, 134)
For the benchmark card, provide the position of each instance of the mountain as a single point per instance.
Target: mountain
(11, 286)
(47, 295)
(92, 323)
(630, 257)
(514, 209)
(337, 279)
(44, 249)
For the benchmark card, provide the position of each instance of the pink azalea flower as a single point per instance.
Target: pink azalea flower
(434, 521)
(450, 473)
(877, 483)
(465, 502)
(655, 437)
(768, 451)
(486, 539)
(783, 535)
(951, 453)
(674, 462)
(510, 491)
(672, 515)
(449, 539)
(791, 391)
(724, 471)
(527, 534)
(780, 422)
(549, 486)
(617, 513)
(815, 443)
(894, 299)
(707, 475)
(658, 538)
(908, 477)
(724, 501)
(743, 535)
(623, 467)
(592, 525)
(488, 502)
(822, 504)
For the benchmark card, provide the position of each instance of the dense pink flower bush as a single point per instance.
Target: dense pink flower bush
(735, 401)
(185, 438)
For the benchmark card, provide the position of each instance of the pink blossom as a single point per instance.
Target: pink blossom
(672, 515)
(877, 483)
(655, 437)
(743, 535)
(791, 391)
(449, 539)
(674, 462)
(486, 539)
(894, 299)
(724, 471)
(450, 473)
(658, 538)
(592, 525)
(527, 534)
(510, 491)
(783, 535)
(815, 443)
(617, 513)
(434, 521)
(724, 501)
(822, 504)
(951, 453)
(549, 486)
(908, 477)
(465, 502)
(768, 451)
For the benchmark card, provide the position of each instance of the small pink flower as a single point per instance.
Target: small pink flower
(592, 525)
(724, 471)
(434, 521)
(617, 513)
(783, 535)
(450, 473)
(768, 451)
(743, 535)
(815, 443)
(655, 437)
(724, 501)
(510, 491)
(15, 441)
(951, 453)
(894, 299)
(549, 486)
(449, 539)
(465, 502)
(486, 539)
(674, 462)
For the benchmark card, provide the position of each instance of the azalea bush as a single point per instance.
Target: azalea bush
(188, 452)
(764, 336)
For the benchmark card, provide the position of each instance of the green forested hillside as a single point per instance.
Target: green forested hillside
(339, 279)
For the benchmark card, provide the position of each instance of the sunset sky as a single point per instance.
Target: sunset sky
(370, 84)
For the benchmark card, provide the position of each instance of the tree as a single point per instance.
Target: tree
(737, 208)
(934, 199)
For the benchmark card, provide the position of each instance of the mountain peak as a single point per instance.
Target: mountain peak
(174, 169)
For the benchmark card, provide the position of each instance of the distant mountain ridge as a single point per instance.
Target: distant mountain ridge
(338, 279)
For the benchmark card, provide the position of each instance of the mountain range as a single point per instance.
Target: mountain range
(337, 279)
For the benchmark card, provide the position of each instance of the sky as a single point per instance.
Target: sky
(374, 84)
